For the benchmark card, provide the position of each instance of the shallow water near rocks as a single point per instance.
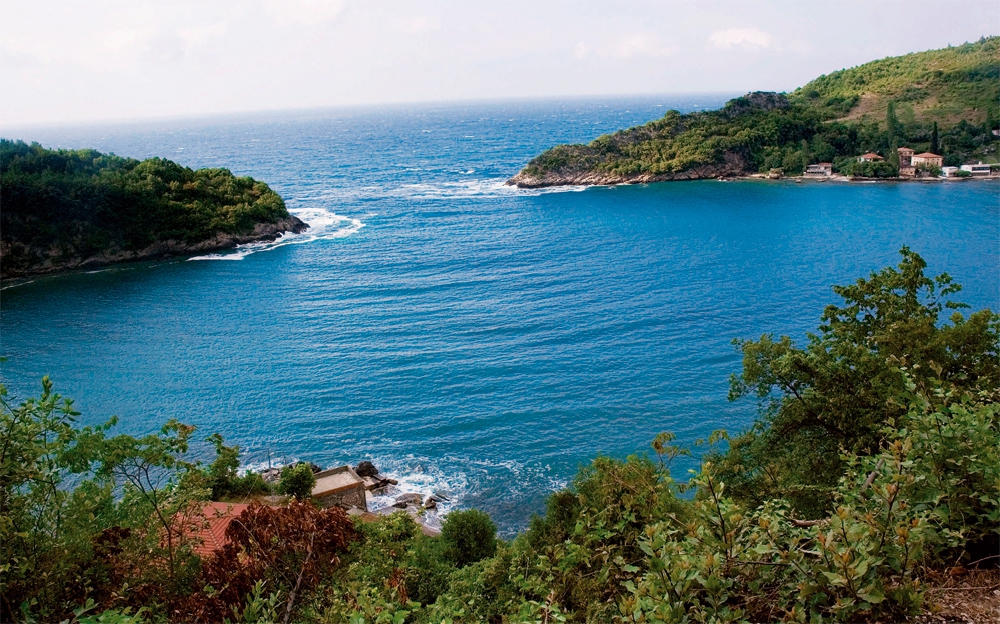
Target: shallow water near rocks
(467, 337)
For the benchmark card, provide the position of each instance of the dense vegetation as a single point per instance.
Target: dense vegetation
(63, 205)
(943, 100)
(875, 464)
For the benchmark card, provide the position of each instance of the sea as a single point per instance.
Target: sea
(470, 338)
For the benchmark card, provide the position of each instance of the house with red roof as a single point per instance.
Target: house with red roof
(210, 535)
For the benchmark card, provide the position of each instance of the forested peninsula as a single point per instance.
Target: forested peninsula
(941, 101)
(70, 209)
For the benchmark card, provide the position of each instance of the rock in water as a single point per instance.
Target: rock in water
(366, 469)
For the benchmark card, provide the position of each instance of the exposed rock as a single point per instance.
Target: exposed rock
(757, 101)
(430, 503)
(314, 467)
(441, 496)
(734, 164)
(366, 469)
(390, 481)
(271, 475)
(56, 260)
(410, 497)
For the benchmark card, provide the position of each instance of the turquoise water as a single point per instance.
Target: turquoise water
(465, 335)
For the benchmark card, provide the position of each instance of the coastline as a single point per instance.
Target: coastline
(610, 180)
(160, 250)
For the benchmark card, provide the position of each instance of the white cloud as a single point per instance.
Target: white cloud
(642, 45)
(580, 51)
(303, 12)
(423, 24)
(752, 37)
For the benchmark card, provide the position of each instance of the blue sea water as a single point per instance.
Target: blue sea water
(464, 335)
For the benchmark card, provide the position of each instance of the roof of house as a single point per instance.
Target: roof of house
(903, 149)
(872, 155)
(336, 480)
(928, 155)
(217, 516)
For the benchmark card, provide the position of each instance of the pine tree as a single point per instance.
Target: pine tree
(934, 140)
(891, 123)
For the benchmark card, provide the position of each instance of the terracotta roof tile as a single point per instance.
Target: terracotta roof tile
(217, 516)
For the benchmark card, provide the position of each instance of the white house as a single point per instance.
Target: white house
(977, 170)
(949, 172)
(820, 169)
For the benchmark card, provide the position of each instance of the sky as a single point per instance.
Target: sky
(75, 62)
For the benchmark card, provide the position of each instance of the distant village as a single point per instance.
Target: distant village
(912, 165)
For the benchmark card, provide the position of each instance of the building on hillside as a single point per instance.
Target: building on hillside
(927, 160)
(820, 169)
(905, 157)
(978, 170)
(341, 487)
(869, 157)
(907, 172)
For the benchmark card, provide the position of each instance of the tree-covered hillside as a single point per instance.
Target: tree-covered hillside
(63, 208)
(951, 95)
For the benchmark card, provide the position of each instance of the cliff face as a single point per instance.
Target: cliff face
(20, 260)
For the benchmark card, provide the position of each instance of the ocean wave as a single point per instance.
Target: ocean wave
(467, 188)
(323, 225)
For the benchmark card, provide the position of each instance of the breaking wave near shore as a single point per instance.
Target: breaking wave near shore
(323, 225)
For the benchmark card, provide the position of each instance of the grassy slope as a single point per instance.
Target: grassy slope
(836, 115)
(945, 85)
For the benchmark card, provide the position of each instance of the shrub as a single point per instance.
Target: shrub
(469, 536)
(297, 481)
(428, 570)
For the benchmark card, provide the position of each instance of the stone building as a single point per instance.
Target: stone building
(340, 487)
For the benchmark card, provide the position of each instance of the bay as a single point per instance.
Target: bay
(464, 335)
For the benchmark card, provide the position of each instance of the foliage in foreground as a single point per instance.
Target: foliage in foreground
(900, 407)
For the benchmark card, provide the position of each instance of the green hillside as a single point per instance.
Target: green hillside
(953, 93)
(64, 208)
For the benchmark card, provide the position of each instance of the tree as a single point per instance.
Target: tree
(891, 121)
(935, 145)
(297, 481)
(838, 391)
(469, 535)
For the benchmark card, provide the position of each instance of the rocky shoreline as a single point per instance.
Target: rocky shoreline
(733, 166)
(423, 508)
(721, 172)
(59, 261)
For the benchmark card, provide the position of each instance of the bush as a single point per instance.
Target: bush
(297, 481)
(469, 536)
(428, 570)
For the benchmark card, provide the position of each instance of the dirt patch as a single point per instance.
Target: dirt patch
(961, 595)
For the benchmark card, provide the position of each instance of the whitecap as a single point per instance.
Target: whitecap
(323, 225)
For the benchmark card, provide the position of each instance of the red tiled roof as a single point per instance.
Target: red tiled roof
(217, 516)
(927, 155)
(871, 155)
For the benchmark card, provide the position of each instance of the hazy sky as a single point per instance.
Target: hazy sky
(79, 61)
